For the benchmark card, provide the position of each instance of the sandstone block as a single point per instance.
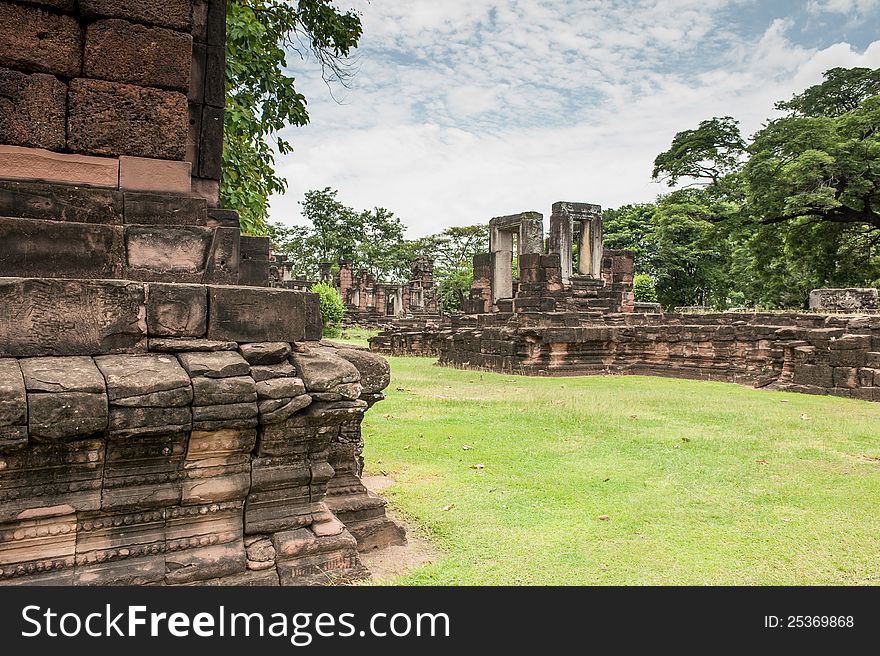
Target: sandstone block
(163, 208)
(195, 345)
(263, 353)
(214, 364)
(272, 414)
(66, 415)
(37, 248)
(266, 372)
(207, 189)
(218, 391)
(13, 402)
(176, 310)
(172, 254)
(158, 175)
(314, 321)
(69, 317)
(38, 40)
(280, 388)
(133, 376)
(224, 262)
(120, 51)
(248, 314)
(109, 118)
(374, 370)
(33, 110)
(35, 164)
(143, 473)
(321, 369)
(75, 374)
(57, 202)
(176, 14)
(127, 422)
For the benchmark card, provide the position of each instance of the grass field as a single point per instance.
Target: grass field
(354, 336)
(628, 480)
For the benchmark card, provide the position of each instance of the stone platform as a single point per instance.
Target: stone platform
(193, 461)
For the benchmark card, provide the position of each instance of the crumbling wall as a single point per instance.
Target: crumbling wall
(840, 360)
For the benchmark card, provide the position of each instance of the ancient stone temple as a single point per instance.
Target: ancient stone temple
(369, 302)
(564, 315)
(165, 416)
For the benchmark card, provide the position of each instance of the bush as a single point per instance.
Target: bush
(332, 308)
(644, 290)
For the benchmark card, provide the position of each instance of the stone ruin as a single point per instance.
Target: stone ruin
(165, 416)
(565, 317)
(369, 302)
(844, 300)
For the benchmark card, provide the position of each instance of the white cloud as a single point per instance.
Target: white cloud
(464, 110)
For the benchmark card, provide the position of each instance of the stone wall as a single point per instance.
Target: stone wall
(786, 354)
(122, 95)
(809, 353)
(164, 433)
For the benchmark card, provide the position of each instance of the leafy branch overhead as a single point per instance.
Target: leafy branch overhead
(261, 97)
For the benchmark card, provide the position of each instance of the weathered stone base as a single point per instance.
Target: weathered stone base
(805, 353)
(200, 462)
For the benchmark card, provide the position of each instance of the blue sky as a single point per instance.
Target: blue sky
(463, 110)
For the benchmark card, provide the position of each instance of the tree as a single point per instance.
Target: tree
(797, 208)
(643, 289)
(705, 154)
(261, 99)
(452, 251)
(823, 168)
(843, 90)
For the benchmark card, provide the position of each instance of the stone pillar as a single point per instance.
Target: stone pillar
(561, 230)
(562, 222)
(531, 233)
(501, 252)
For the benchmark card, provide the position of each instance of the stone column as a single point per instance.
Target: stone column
(561, 229)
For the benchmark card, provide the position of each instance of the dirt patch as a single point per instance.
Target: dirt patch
(377, 482)
(392, 562)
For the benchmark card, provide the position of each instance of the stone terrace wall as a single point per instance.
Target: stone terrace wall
(159, 423)
(812, 353)
(841, 360)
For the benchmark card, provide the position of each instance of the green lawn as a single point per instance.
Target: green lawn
(701, 483)
(354, 336)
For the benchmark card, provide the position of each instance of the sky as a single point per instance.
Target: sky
(462, 110)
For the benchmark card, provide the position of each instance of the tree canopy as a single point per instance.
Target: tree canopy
(762, 221)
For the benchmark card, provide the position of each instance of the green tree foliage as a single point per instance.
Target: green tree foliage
(705, 154)
(332, 307)
(765, 221)
(370, 239)
(643, 289)
(843, 90)
(452, 251)
(261, 99)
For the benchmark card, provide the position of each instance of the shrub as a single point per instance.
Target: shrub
(332, 308)
(644, 290)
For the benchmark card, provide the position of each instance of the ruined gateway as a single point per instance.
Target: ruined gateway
(165, 416)
(565, 318)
